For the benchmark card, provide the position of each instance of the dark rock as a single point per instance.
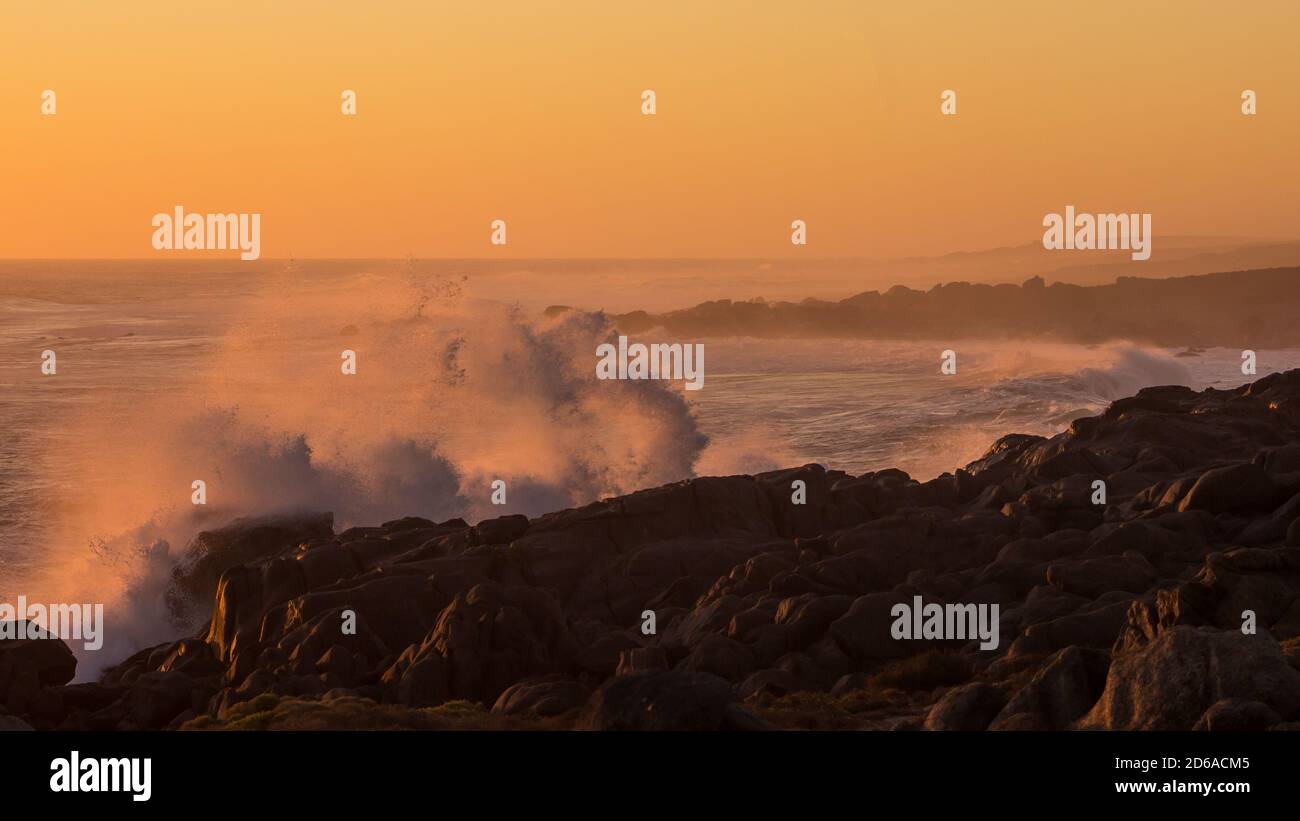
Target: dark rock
(1095, 625)
(192, 657)
(1091, 577)
(501, 530)
(1020, 723)
(11, 724)
(544, 697)
(863, 633)
(213, 552)
(602, 657)
(672, 700)
(91, 697)
(721, 656)
(1171, 682)
(1063, 689)
(154, 699)
(641, 660)
(968, 707)
(774, 682)
(850, 682)
(1237, 715)
(49, 657)
(482, 643)
(1235, 489)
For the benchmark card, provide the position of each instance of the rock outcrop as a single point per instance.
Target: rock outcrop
(1173, 604)
(1207, 310)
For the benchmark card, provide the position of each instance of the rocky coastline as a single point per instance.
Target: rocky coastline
(1173, 604)
(1206, 310)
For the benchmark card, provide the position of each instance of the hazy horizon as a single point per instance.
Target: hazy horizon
(506, 256)
(621, 284)
(828, 114)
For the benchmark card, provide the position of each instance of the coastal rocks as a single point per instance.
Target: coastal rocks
(721, 656)
(483, 642)
(192, 657)
(1264, 582)
(243, 593)
(863, 632)
(1236, 715)
(501, 530)
(20, 688)
(14, 724)
(776, 682)
(396, 608)
(543, 697)
(49, 658)
(91, 696)
(1149, 539)
(1235, 489)
(154, 699)
(1093, 577)
(1172, 681)
(602, 654)
(819, 509)
(31, 670)
(672, 700)
(242, 541)
(674, 606)
(968, 707)
(1094, 625)
(641, 660)
(1211, 306)
(1061, 691)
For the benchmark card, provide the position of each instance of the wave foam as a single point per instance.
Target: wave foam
(449, 395)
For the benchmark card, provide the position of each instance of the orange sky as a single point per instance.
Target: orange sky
(530, 112)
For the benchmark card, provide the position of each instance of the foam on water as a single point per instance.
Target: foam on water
(862, 405)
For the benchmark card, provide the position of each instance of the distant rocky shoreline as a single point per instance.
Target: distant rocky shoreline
(1241, 309)
(1174, 604)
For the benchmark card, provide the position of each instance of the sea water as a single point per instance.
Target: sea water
(231, 376)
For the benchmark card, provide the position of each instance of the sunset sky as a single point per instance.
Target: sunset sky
(530, 112)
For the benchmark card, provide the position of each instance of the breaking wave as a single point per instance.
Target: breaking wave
(449, 395)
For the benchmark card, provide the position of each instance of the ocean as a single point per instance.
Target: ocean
(231, 376)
